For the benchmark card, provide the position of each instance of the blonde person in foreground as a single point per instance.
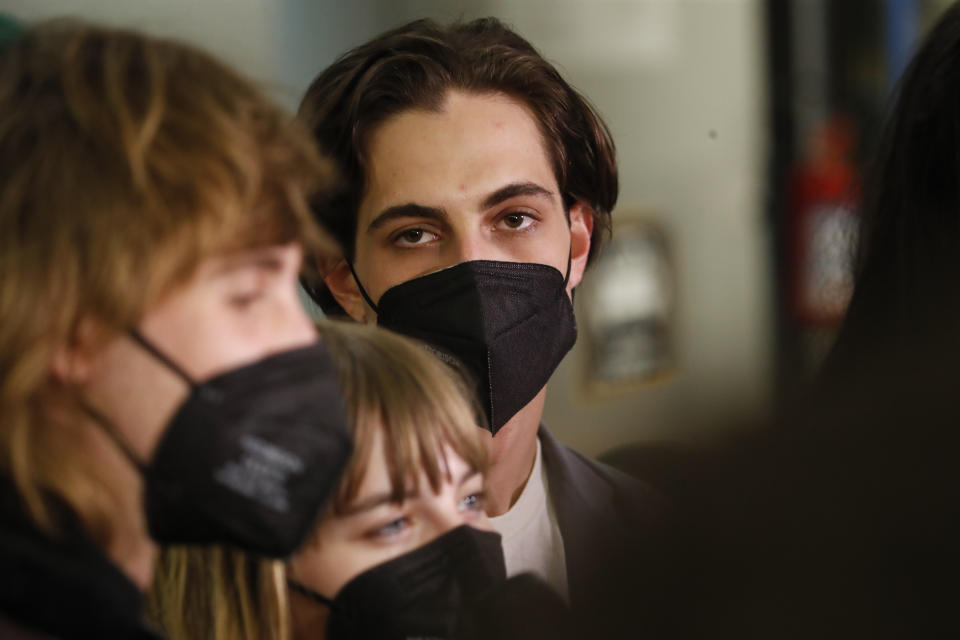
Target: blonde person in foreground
(404, 549)
(152, 214)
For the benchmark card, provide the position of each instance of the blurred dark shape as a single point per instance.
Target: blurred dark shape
(908, 264)
(842, 525)
(842, 519)
(522, 607)
(663, 465)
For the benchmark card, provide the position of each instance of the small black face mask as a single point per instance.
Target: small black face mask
(421, 594)
(250, 456)
(509, 324)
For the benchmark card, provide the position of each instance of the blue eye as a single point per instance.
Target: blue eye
(472, 502)
(391, 528)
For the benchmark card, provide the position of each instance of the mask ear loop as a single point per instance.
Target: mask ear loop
(566, 278)
(108, 428)
(160, 356)
(308, 592)
(363, 291)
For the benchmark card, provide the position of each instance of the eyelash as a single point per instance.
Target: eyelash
(390, 529)
(245, 300)
(478, 499)
(398, 236)
(398, 525)
(529, 222)
(526, 215)
(519, 214)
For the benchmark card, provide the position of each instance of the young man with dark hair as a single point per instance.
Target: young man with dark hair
(479, 186)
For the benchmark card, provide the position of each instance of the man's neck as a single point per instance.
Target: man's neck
(512, 454)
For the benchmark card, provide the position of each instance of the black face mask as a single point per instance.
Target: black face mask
(251, 455)
(509, 324)
(420, 594)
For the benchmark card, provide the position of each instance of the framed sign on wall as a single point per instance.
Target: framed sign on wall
(626, 309)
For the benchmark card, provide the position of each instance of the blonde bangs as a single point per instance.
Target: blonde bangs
(422, 406)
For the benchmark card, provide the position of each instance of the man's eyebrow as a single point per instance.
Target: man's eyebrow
(409, 210)
(513, 190)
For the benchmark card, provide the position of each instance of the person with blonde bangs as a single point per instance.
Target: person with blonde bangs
(154, 356)
(404, 549)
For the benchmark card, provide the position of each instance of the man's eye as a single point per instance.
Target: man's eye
(517, 221)
(472, 502)
(413, 237)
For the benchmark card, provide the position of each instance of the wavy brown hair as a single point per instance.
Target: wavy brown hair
(414, 67)
(124, 161)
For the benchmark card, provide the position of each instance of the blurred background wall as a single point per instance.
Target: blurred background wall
(713, 105)
(680, 84)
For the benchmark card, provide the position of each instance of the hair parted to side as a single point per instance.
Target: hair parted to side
(414, 67)
(125, 160)
(390, 383)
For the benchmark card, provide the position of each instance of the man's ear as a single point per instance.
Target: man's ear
(581, 228)
(343, 286)
(72, 360)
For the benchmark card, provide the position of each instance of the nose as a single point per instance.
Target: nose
(473, 244)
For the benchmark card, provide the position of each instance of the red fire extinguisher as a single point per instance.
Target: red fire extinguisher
(822, 226)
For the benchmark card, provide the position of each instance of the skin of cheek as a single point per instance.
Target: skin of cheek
(205, 333)
(200, 331)
(137, 393)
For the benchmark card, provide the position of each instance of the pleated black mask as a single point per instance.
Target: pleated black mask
(421, 594)
(509, 324)
(250, 456)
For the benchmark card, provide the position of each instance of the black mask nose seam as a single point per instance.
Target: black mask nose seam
(366, 298)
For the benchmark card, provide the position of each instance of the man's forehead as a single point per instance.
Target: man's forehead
(476, 144)
(463, 119)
